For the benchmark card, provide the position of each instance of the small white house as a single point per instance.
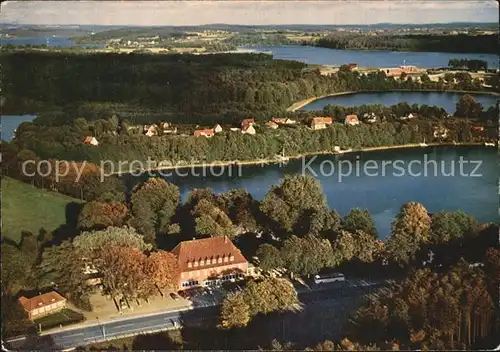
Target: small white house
(217, 128)
(408, 117)
(248, 129)
(351, 120)
(91, 141)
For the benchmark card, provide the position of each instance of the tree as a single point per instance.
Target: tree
(468, 107)
(286, 203)
(98, 215)
(235, 312)
(269, 257)
(109, 189)
(16, 268)
(359, 219)
(240, 206)
(122, 270)
(64, 265)
(359, 245)
(269, 295)
(162, 269)
(153, 204)
(410, 229)
(14, 319)
(425, 78)
(308, 255)
(91, 243)
(449, 77)
(345, 246)
(447, 226)
(212, 220)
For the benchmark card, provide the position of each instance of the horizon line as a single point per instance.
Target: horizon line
(246, 25)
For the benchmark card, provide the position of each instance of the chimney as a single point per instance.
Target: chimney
(225, 239)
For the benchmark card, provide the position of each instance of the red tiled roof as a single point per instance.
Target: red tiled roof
(351, 117)
(88, 139)
(41, 301)
(208, 132)
(279, 120)
(247, 122)
(206, 249)
(325, 120)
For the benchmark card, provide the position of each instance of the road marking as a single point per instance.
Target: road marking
(79, 334)
(120, 326)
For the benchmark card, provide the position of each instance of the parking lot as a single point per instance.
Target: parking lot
(210, 296)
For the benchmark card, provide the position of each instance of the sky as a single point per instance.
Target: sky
(177, 13)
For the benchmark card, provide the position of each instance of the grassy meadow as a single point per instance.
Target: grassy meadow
(27, 208)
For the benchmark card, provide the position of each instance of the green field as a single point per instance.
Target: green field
(27, 208)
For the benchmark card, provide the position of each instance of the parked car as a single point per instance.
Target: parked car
(123, 304)
(208, 290)
(183, 294)
(174, 296)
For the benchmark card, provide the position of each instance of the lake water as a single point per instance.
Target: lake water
(380, 191)
(336, 57)
(447, 100)
(10, 122)
(49, 40)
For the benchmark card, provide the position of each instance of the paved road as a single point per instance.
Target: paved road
(173, 320)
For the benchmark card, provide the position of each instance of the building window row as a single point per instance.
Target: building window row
(207, 261)
(190, 283)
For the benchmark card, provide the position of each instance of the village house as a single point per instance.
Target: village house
(318, 123)
(208, 262)
(352, 67)
(44, 304)
(283, 121)
(89, 140)
(204, 133)
(247, 122)
(408, 117)
(248, 129)
(272, 124)
(150, 130)
(370, 118)
(167, 128)
(440, 132)
(217, 128)
(397, 71)
(351, 120)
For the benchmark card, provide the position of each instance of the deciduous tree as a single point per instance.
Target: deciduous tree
(410, 229)
(269, 257)
(154, 202)
(359, 219)
(91, 243)
(287, 203)
(122, 270)
(235, 311)
(64, 265)
(161, 267)
(99, 215)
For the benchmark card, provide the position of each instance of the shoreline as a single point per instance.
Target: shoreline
(295, 157)
(301, 103)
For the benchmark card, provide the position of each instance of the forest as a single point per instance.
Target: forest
(460, 43)
(179, 88)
